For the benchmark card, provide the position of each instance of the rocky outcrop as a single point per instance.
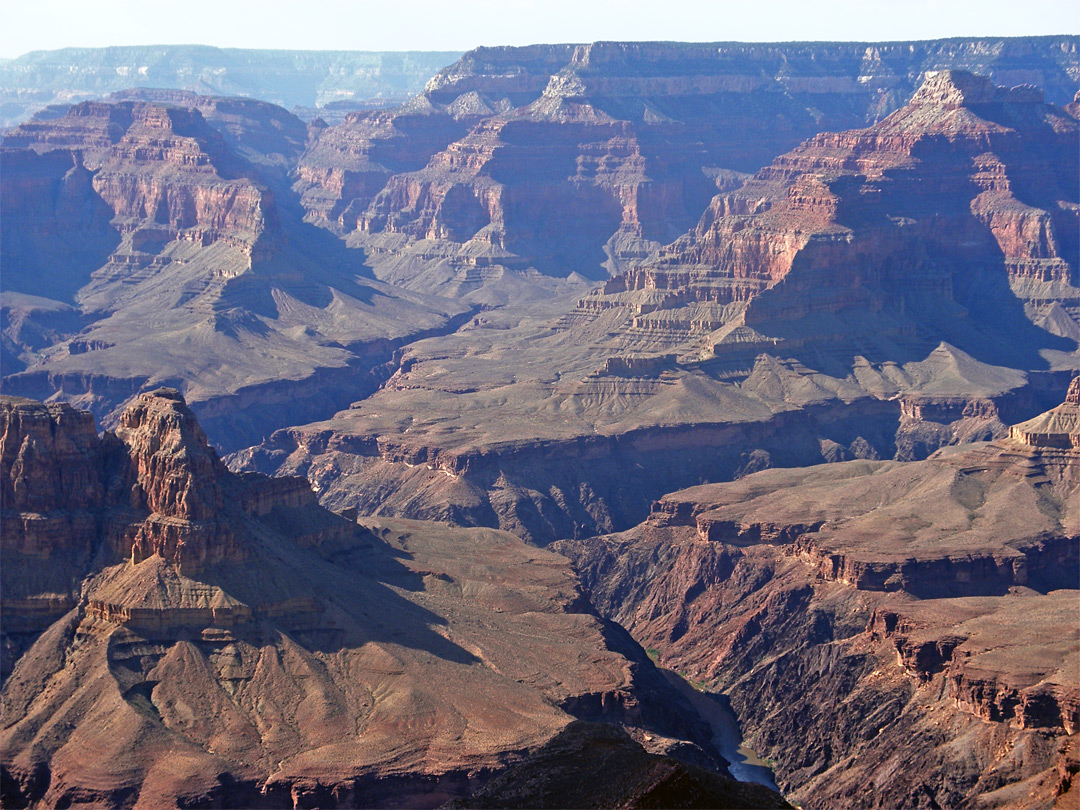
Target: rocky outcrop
(1014, 694)
(53, 481)
(613, 146)
(867, 223)
(986, 693)
(1058, 429)
(281, 653)
(175, 475)
(176, 470)
(52, 456)
(68, 497)
(176, 208)
(154, 488)
(866, 611)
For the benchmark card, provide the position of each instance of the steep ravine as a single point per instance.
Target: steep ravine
(950, 678)
(848, 715)
(200, 638)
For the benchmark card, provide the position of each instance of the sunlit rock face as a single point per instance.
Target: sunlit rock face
(209, 637)
(879, 610)
(589, 158)
(960, 204)
(149, 238)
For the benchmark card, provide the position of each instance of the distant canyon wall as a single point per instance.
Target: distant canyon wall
(304, 79)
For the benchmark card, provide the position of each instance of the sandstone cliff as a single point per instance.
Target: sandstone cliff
(156, 487)
(867, 613)
(588, 158)
(943, 221)
(876, 293)
(165, 227)
(178, 634)
(553, 433)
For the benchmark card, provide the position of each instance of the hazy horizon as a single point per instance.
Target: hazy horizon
(427, 25)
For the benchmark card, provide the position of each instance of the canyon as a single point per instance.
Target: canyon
(877, 610)
(617, 147)
(862, 322)
(176, 633)
(401, 455)
(214, 219)
(180, 246)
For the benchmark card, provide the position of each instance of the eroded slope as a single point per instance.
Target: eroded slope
(175, 633)
(147, 242)
(876, 294)
(905, 627)
(587, 158)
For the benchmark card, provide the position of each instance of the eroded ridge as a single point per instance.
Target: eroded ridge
(923, 610)
(175, 633)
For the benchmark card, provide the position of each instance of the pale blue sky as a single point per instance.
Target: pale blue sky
(462, 24)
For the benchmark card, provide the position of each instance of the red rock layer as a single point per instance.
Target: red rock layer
(52, 457)
(53, 478)
(866, 613)
(834, 685)
(176, 470)
(968, 179)
(1059, 429)
(993, 694)
(157, 487)
(580, 155)
(158, 164)
(257, 649)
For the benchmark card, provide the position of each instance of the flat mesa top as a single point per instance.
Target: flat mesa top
(986, 499)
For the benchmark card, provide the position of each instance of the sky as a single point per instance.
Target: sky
(458, 25)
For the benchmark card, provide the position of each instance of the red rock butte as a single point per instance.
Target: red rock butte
(208, 637)
(1059, 428)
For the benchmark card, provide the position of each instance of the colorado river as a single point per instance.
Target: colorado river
(745, 765)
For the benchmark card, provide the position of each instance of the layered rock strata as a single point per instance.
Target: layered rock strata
(528, 429)
(154, 488)
(868, 613)
(588, 158)
(866, 275)
(929, 225)
(210, 638)
(142, 237)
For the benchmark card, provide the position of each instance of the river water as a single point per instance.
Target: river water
(746, 766)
